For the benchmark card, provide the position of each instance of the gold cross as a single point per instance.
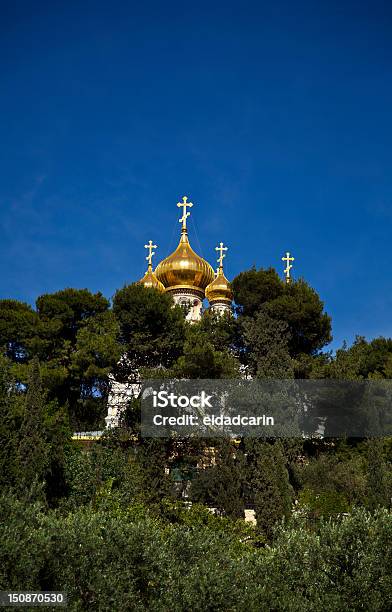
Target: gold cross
(184, 204)
(288, 267)
(150, 246)
(220, 248)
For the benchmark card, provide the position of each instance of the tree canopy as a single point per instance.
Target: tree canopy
(151, 327)
(74, 335)
(296, 304)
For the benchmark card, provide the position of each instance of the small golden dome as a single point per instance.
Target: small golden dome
(150, 280)
(184, 269)
(219, 290)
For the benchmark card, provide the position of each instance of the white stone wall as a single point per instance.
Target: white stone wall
(119, 396)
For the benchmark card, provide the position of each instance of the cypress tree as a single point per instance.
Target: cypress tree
(269, 484)
(33, 449)
(377, 481)
(59, 437)
(222, 484)
(10, 411)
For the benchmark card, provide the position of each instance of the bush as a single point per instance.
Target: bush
(116, 559)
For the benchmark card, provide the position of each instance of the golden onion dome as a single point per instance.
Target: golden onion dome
(220, 289)
(184, 269)
(150, 280)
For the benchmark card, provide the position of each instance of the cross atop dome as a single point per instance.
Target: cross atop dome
(219, 292)
(149, 279)
(184, 205)
(289, 266)
(222, 255)
(150, 246)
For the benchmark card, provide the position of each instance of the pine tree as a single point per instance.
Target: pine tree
(296, 303)
(200, 359)
(33, 449)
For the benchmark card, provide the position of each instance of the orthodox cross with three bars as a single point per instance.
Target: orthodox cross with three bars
(288, 267)
(150, 246)
(184, 205)
(221, 248)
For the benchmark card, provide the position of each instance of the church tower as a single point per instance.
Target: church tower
(184, 274)
(218, 292)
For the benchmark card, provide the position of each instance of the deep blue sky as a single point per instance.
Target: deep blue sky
(274, 117)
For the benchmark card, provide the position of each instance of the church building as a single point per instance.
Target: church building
(188, 277)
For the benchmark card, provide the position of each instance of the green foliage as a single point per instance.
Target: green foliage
(18, 327)
(69, 309)
(96, 351)
(297, 304)
(201, 359)
(151, 329)
(87, 471)
(25, 543)
(267, 343)
(254, 288)
(197, 516)
(75, 337)
(111, 530)
(33, 450)
(78, 348)
(152, 457)
(58, 435)
(302, 309)
(343, 565)
(322, 504)
(328, 474)
(34, 435)
(362, 360)
(222, 484)
(126, 559)
(11, 415)
(221, 329)
(268, 482)
(104, 477)
(379, 477)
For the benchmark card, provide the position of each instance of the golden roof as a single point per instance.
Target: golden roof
(220, 289)
(150, 280)
(184, 269)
